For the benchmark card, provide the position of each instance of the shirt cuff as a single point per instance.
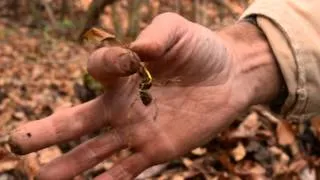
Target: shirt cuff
(298, 60)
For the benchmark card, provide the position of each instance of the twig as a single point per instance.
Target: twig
(178, 6)
(134, 18)
(116, 22)
(264, 112)
(50, 13)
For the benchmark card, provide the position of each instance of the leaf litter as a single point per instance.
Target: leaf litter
(41, 74)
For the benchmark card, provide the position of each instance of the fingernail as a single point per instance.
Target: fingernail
(129, 62)
(15, 148)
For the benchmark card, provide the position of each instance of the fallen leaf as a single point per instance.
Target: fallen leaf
(277, 152)
(308, 174)
(9, 164)
(19, 115)
(248, 128)
(95, 35)
(48, 154)
(178, 177)
(239, 152)
(285, 133)
(315, 126)
(187, 162)
(249, 168)
(199, 151)
(298, 165)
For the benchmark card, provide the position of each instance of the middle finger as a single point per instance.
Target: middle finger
(83, 157)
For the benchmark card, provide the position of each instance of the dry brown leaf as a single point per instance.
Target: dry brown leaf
(239, 152)
(7, 160)
(8, 164)
(97, 36)
(48, 154)
(107, 164)
(308, 174)
(225, 161)
(30, 164)
(247, 128)
(199, 151)
(5, 116)
(187, 162)
(298, 165)
(52, 68)
(178, 177)
(285, 133)
(277, 152)
(19, 115)
(279, 169)
(250, 168)
(235, 178)
(315, 126)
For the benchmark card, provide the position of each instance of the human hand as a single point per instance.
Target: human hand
(204, 80)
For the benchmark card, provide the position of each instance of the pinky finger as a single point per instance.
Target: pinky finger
(126, 169)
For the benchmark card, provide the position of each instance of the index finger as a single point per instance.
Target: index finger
(61, 126)
(152, 44)
(108, 65)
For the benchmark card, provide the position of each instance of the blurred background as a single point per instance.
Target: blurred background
(42, 70)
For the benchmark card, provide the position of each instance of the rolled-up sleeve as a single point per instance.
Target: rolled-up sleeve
(292, 28)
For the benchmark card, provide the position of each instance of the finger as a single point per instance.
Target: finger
(62, 126)
(127, 168)
(82, 158)
(160, 36)
(108, 65)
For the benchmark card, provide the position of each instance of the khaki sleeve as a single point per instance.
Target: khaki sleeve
(292, 28)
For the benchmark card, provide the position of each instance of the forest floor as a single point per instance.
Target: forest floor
(41, 73)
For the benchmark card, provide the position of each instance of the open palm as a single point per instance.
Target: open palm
(195, 95)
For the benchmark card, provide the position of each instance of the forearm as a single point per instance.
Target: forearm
(256, 68)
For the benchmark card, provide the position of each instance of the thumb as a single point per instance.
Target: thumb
(160, 36)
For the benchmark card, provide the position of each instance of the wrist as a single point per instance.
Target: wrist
(256, 72)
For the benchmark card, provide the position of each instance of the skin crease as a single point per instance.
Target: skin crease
(216, 75)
